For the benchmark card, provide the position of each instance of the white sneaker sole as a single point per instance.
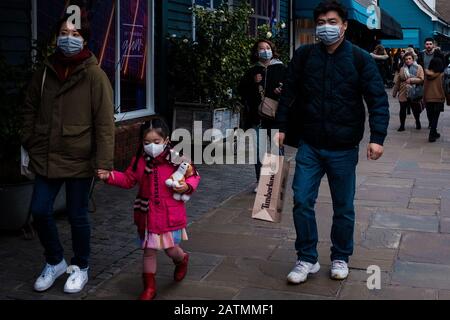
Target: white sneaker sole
(59, 274)
(67, 290)
(338, 277)
(315, 269)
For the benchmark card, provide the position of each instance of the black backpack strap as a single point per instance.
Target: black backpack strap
(358, 59)
(305, 55)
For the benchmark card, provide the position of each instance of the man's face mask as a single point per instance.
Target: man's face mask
(329, 34)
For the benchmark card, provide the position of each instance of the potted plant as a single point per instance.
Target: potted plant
(204, 74)
(15, 190)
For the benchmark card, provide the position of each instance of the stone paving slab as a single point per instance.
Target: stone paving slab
(361, 292)
(444, 226)
(231, 244)
(421, 275)
(376, 238)
(244, 272)
(251, 293)
(426, 248)
(406, 222)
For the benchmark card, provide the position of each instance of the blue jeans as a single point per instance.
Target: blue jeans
(77, 199)
(339, 166)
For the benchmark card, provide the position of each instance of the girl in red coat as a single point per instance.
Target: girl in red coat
(160, 219)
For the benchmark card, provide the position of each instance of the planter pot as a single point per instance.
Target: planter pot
(185, 114)
(15, 201)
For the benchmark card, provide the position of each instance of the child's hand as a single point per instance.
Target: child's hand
(182, 188)
(103, 174)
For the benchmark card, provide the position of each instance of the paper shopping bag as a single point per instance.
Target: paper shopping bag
(24, 162)
(271, 188)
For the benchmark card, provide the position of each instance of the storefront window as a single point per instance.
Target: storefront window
(266, 12)
(133, 53)
(122, 45)
(306, 32)
(205, 3)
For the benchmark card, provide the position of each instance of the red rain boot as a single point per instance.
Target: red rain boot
(181, 268)
(149, 287)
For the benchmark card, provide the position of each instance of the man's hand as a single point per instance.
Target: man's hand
(278, 139)
(374, 151)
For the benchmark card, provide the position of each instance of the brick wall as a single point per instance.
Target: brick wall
(443, 7)
(127, 140)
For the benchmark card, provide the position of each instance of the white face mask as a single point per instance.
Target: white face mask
(154, 150)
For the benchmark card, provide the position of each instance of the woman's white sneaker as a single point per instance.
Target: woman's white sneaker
(49, 276)
(339, 270)
(77, 279)
(301, 270)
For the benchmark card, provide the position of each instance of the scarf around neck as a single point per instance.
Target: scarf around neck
(64, 66)
(411, 71)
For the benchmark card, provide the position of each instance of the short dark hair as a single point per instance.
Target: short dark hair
(429, 39)
(331, 5)
(254, 55)
(437, 65)
(85, 30)
(409, 54)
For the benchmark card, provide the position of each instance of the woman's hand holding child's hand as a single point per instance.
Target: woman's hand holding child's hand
(182, 189)
(104, 174)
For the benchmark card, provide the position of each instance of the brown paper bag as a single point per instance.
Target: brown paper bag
(271, 188)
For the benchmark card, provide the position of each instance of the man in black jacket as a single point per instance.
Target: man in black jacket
(326, 83)
(429, 53)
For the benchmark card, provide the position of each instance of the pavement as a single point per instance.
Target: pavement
(402, 226)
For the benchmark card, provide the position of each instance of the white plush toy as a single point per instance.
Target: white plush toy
(184, 171)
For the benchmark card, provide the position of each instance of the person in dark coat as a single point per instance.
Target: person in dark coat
(424, 58)
(325, 86)
(266, 77)
(68, 130)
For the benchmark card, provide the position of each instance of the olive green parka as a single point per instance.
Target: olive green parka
(68, 127)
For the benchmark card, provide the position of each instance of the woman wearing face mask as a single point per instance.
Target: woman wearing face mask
(410, 74)
(68, 131)
(265, 78)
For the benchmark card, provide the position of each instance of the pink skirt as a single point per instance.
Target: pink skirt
(163, 241)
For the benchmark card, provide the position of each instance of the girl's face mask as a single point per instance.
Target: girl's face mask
(154, 150)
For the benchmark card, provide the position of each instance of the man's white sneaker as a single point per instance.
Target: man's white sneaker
(339, 270)
(301, 270)
(49, 275)
(77, 279)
